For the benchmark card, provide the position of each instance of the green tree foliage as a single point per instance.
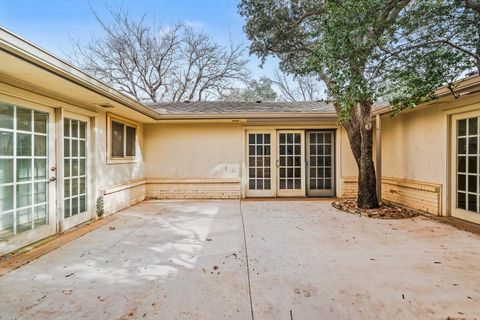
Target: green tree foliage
(367, 50)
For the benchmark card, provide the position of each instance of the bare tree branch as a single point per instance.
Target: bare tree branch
(154, 63)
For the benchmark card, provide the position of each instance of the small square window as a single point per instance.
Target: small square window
(122, 139)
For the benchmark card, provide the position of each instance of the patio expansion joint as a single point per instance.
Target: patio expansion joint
(246, 259)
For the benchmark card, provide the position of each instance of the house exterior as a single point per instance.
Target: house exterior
(72, 147)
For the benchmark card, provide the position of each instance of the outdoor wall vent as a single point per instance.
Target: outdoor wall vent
(187, 101)
(258, 101)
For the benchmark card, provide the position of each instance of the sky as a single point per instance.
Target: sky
(51, 24)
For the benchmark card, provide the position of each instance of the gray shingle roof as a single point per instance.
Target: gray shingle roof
(234, 107)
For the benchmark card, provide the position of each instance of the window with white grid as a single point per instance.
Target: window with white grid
(75, 171)
(259, 166)
(23, 170)
(468, 192)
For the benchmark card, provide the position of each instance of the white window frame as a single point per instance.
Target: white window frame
(457, 212)
(127, 123)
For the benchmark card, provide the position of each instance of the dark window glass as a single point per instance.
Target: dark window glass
(472, 145)
(462, 165)
(472, 126)
(472, 202)
(117, 139)
(461, 182)
(130, 141)
(461, 202)
(462, 146)
(267, 139)
(462, 127)
(472, 183)
(472, 164)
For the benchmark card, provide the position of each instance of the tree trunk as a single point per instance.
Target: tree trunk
(360, 134)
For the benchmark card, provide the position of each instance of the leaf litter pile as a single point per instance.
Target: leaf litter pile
(386, 210)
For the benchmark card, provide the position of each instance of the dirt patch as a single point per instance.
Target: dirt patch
(386, 210)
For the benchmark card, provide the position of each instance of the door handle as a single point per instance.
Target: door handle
(52, 179)
(277, 163)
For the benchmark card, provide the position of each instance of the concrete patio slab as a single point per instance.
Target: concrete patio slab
(306, 260)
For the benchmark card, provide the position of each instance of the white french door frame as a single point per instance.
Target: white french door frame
(273, 173)
(89, 213)
(454, 211)
(291, 192)
(40, 232)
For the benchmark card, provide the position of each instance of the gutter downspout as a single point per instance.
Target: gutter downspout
(378, 127)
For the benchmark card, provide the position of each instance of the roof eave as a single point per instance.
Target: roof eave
(29, 52)
(256, 115)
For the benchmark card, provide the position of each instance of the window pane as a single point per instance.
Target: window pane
(472, 126)
(66, 208)
(6, 143)
(130, 142)
(83, 130)
(462, 127)
(117, 139)
(40, 124)
(82, 148)
(6, 225)
(66, 148)
(40, 215)
(83, 204)
(40, 192)
(461, 182)
(66, 188)
(66, 127)
(6, 198)
(74, 167)
(461, 202)
(40, 146)
(24, 119)
(24, 220)
(74, 129)
(6, 116)
(74, 148)
(24, 169)
(24, 195)
(82, 167)
(66, 168)
(6, 170)
(24, 144)
(40, 169)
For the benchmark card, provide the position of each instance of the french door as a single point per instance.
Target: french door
(27, 175)
(320, 163)
(75, 170)
(290, 163)
(465, 167)
(260, 157)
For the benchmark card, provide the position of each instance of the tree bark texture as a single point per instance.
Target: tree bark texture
(360, 135)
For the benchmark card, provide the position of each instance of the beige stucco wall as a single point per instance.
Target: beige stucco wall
(193, 151)
(117, 182)
(414, 145)
(193, 160)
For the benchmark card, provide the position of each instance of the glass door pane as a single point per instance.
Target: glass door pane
(290, 160)
(468, 170)
(75, 172)
(23, 170)
(259, 159)
(320, 163)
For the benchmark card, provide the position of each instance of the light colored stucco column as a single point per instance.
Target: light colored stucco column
(378, 126)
